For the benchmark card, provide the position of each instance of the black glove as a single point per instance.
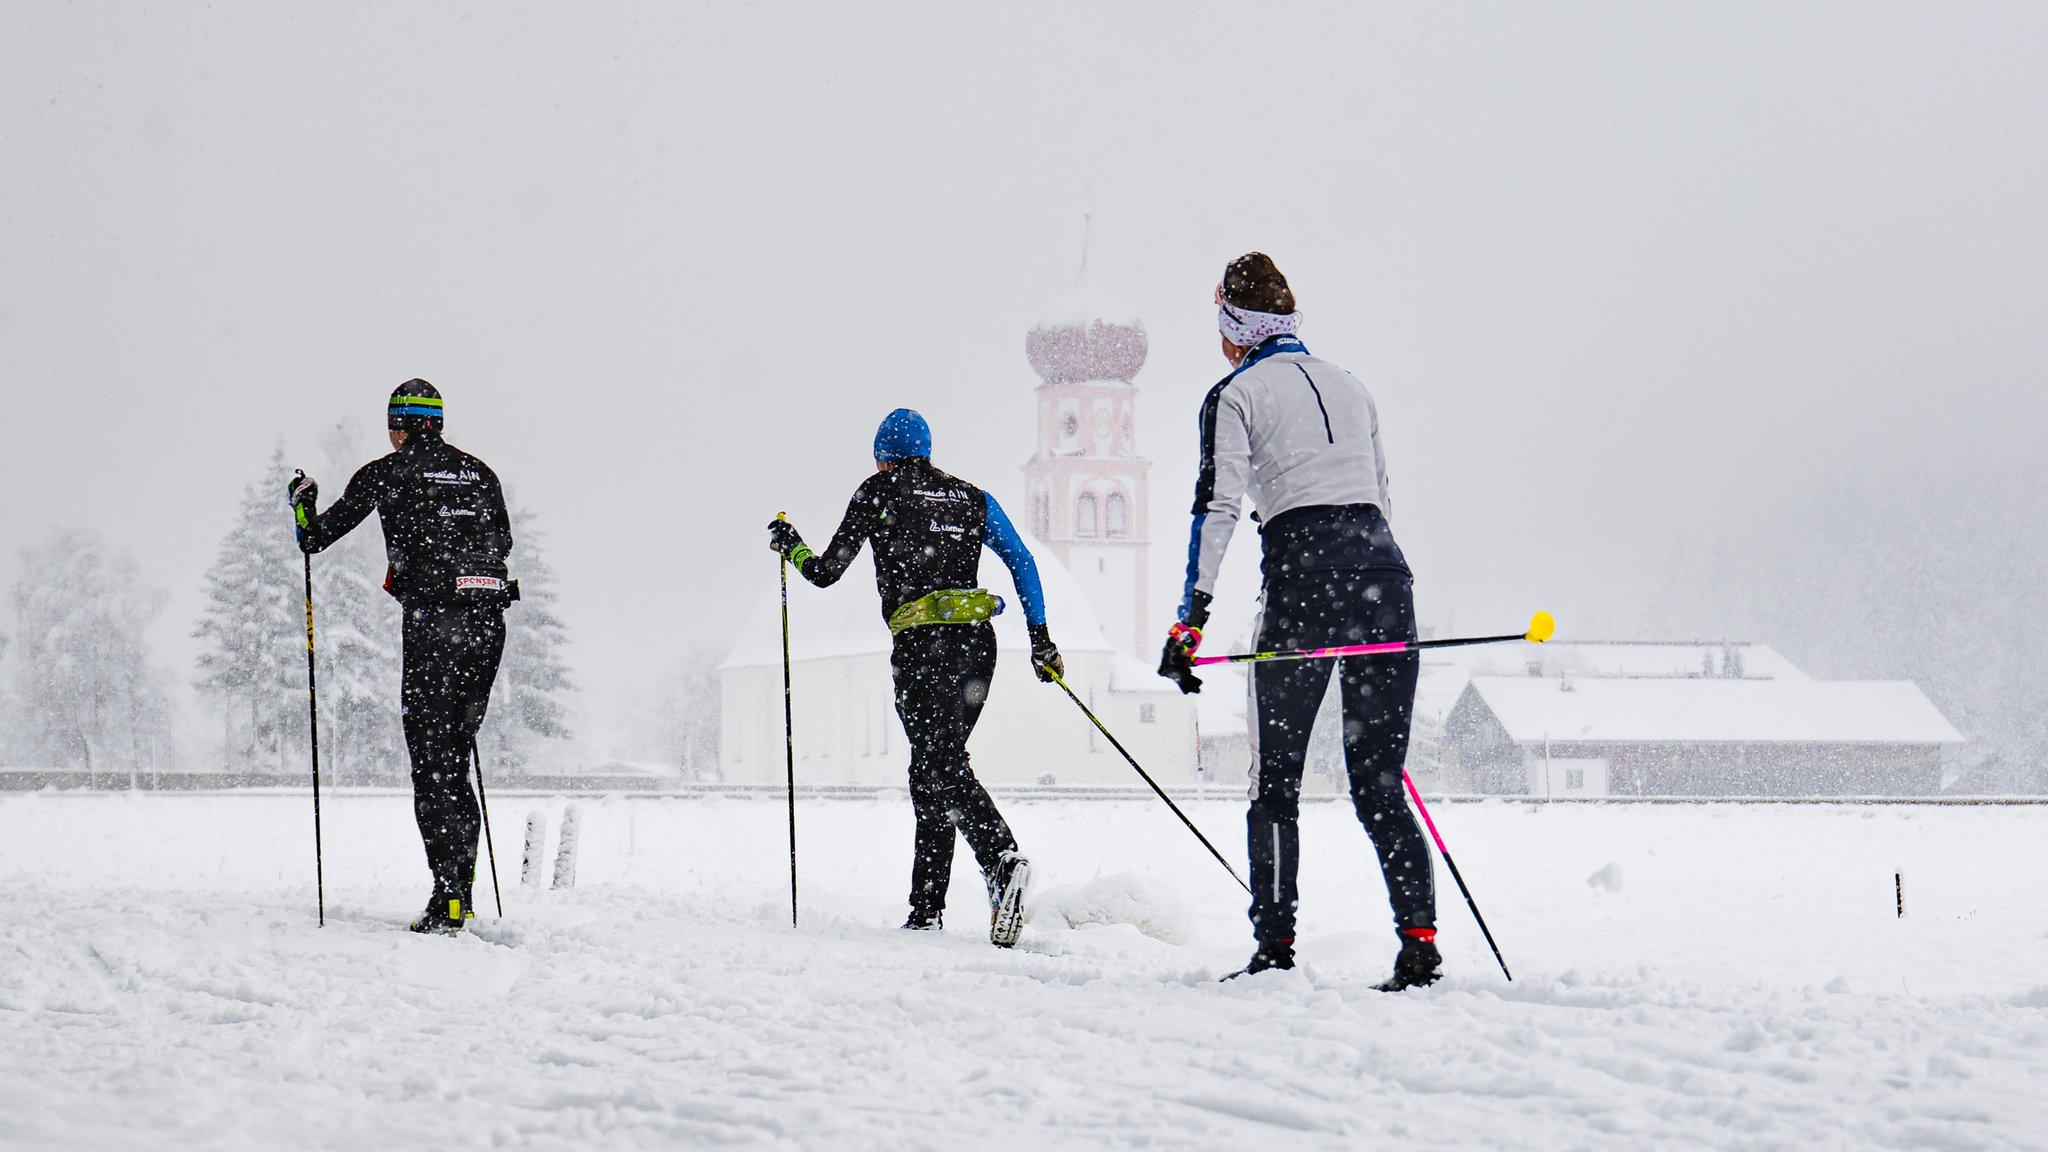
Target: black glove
(1174, 665)
(785, 539)
(1176, 658)
(304, 496)
(1045, 655)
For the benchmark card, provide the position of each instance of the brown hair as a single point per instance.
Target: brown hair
(1253, 281)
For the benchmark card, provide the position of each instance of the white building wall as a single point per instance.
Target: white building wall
(847, 731)
(1112, 577)
(1556, 776)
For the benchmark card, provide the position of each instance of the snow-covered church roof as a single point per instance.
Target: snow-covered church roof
(1086, 335)
(846, 619)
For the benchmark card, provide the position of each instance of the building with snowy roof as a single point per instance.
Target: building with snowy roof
(1721, 730)
(1446, 671)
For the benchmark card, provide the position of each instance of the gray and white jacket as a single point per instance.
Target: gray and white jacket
(1298, 435)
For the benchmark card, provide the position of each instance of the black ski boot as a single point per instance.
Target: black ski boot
(1273, 954)
(1006, 899)
(444, 915)
(924, 921)
(1419, 964)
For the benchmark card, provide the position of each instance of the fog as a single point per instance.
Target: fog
(1704, 320)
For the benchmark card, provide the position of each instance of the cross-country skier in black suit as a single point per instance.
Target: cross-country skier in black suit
(928, 530)
(446, 534)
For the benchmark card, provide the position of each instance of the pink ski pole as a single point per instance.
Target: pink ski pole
(1542, 627)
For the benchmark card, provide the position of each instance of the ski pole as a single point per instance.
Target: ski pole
(1541, 627)
(484, 807)
(1436, 836)
(1133, 761)
(788, 732)
(313, 717)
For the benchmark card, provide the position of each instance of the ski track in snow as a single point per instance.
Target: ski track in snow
(1735, 979)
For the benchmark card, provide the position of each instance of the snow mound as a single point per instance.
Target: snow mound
(1124, 898)
(1607, 879)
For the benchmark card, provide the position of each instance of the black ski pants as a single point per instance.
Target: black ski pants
(1324, 608)
(942, 674)
(451, 660)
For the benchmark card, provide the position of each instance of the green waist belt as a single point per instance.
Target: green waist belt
(947, 606)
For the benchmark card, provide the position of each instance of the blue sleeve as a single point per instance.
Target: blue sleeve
(1002, 539)
(1187, 593)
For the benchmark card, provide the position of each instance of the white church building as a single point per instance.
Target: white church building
(1087, 499)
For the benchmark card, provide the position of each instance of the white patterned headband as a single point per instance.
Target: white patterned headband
(1246, 328)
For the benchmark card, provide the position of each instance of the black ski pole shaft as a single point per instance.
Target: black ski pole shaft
(483, 805)
(788, 734)
(1455, 875)
(313, 716)
(1133, 762)
(1483, 931)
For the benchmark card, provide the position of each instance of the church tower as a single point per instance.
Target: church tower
(1086, 485)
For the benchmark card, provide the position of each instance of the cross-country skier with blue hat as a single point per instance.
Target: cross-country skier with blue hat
(928, 529)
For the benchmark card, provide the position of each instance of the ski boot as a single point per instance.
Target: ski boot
(1419, 964)
(444, 916)
(1273, 954)
(925, 921)
(1006, 899)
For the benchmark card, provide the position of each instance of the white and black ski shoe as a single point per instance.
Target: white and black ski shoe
(1006, 899)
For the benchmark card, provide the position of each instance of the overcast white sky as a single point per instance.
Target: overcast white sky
(1616, 273)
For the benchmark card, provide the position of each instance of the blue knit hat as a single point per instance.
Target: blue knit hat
(903, 435)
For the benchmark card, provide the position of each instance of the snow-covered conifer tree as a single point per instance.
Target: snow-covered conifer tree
(10, 712)
(529, 705)
(252, 631)
(89, 696)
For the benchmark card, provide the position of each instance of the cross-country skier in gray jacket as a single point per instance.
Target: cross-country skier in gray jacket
(1301, 437)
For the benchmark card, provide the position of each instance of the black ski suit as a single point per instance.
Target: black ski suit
(928, 529)
(1333, 576)
(446, 534)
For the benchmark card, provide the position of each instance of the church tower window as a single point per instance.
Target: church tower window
(1084, 515)
(1113, 516)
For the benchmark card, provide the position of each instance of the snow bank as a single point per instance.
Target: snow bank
(162, 984)
(1121, 899)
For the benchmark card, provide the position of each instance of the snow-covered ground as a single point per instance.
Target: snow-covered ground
(1735, 977)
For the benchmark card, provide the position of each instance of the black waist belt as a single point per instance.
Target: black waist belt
(1352, 537)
